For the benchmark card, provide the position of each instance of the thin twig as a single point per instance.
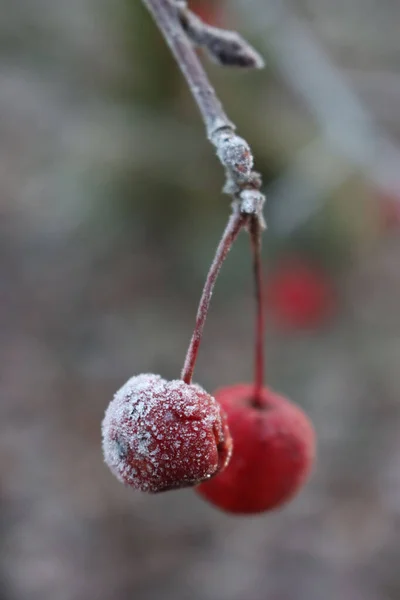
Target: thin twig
(233, 151)
(235, 224)
(255, 238)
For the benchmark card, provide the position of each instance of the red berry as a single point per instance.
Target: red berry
(159, 435)
(273, 452)
(299, 295)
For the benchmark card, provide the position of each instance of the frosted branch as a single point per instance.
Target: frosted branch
(242, 183)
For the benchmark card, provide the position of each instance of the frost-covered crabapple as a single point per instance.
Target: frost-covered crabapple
(160, 435)
(273, 452)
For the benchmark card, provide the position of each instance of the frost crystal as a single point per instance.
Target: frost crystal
(234, 152)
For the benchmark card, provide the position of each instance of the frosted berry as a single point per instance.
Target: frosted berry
(299, 295)
(160, 435)
(273, 452)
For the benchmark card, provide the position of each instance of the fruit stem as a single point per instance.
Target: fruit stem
(255, 239)
(235, 224)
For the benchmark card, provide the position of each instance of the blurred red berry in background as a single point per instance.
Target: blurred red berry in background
(299, 295)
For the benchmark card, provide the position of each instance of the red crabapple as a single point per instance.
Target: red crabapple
(273, 452)
(160, 435)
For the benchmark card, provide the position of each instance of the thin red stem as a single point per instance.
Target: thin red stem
(235, 224)
(255, 238)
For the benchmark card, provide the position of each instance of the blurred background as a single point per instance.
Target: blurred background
(111, 209)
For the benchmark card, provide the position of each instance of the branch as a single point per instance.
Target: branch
(242, 183)
(181, 29)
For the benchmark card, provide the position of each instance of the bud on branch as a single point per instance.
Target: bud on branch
(226, 48)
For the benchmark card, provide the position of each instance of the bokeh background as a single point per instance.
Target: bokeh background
(111, 209)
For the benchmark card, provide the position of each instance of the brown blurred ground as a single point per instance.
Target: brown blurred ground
(109, 214)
